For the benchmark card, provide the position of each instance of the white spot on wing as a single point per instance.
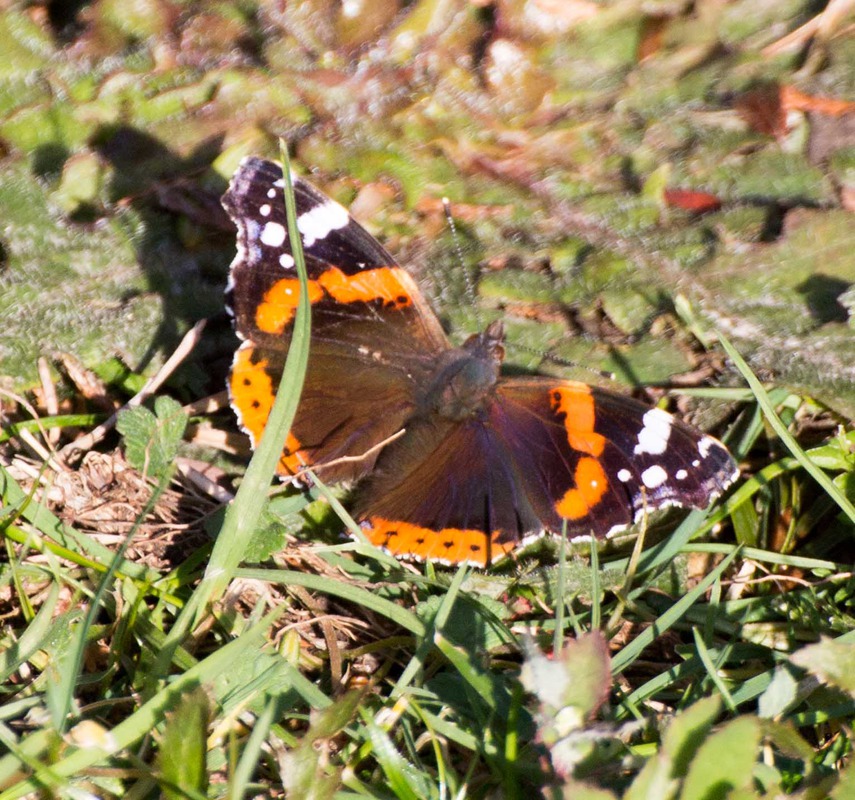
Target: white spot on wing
(317, 223)
(653, 437)
(286, 261)
(264, 210)
(624, 475)
(681, 474)
(653, 477)
(272, 234)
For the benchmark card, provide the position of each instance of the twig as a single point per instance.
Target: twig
(51, 402)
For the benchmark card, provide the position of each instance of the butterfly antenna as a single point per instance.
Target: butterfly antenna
(471, 294)
(546, 355)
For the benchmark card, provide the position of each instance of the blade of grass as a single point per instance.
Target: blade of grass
(60, 694)
(429, 640)
(245, 510)
(469, 670)
(561, 602)
(786, 437)
(24, 756)
(712, 670)
(362, 545)
(31, 640)
(346, 591)
(596, 600)
(629, 653)
(405, 782)
(695, 524)
(444, 773)
(768, 557)
(49, 423)
(248, 763)
(139, 724)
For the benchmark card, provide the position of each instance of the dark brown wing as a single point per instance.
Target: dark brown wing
(542, 455)
(373, 341)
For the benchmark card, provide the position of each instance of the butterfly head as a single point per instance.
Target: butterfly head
(466, 376)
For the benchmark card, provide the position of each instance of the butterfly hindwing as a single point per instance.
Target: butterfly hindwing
(544, 456)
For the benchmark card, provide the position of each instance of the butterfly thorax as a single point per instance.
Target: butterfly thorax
(466, 376)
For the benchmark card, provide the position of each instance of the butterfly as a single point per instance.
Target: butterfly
(454, 461)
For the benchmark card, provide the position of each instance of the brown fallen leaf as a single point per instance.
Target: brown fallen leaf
(652, 35)
(794, 100)
(761, 108)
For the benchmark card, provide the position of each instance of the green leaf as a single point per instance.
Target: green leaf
(403, 779)
(305, 771)
(832, 661)
(151, 439)
(182, 750)
(656, 183)
(780, 694)
(688, 730)
(304, 776)
(724, 763)
(845, 788)
(471, 624)
(268, 538)
(79, 188)
(659, 778)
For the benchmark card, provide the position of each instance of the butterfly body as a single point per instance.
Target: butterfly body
(465, 378)
(484, 462)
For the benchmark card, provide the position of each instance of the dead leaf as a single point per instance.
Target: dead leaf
(794, 100)
(762, 110)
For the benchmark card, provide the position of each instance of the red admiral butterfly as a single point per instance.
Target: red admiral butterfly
(485, 462)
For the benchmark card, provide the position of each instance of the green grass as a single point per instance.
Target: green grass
(717, 661)
(156, 644)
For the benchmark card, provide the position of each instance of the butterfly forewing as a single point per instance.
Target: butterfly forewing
(355, 288)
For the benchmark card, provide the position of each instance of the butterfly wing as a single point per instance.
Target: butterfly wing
(600, 458)
(544, 455)
(373, 337)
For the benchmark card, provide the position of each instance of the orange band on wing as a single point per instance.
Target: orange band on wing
(451, 545)
(276, 311)
(252, 395)
(279, 305)
(575, 402)
(383, 283)
(591, 484)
